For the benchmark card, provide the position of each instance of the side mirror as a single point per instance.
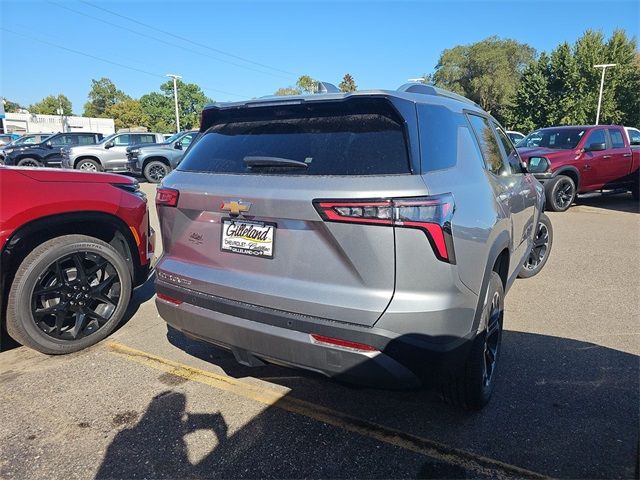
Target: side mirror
(596, 147)
(538, 165)
(178, 146)
(49, 144)
(108, 145)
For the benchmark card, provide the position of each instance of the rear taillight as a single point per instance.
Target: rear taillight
(430, 214)
(167, 197)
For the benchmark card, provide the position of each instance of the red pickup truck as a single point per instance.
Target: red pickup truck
(579, 159)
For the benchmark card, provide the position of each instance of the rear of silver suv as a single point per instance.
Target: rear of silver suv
(367, 236)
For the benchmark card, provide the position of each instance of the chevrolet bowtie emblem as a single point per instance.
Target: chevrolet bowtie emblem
(236, 207)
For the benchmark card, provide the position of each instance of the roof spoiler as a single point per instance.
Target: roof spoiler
(425, 89)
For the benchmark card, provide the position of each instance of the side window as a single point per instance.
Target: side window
(634, 137)
(86, 140)
(596, 136)
(122, 140)
(62, 140)
(488, 145)
(186, 140)
(513, 159)
(145, 138)
(616, 138)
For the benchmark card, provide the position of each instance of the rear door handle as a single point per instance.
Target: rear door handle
(626, 155)
(606, 156)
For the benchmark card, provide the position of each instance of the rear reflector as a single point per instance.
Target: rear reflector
(336, 342)
(430, 214)
(169, 299)
(167, 197)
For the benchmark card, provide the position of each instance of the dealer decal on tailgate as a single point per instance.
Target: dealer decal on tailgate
(248, 237)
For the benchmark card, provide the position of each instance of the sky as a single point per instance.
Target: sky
(237, 50)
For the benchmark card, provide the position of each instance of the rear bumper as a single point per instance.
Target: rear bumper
(254, 332)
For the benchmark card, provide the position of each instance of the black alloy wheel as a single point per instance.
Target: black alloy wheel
(492, 339)
(75, 296)
(540, 250)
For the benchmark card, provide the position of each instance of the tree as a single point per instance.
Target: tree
(160, 109)
(191, 101)
(103, 94)
(307, 84)
(487, 72)
(347, 84)
(531, 105)
(287, 91)
(49, 105)
(11, 107)
(127, 114)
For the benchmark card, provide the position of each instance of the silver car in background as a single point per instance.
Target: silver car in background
(108, 155)
(368, 236)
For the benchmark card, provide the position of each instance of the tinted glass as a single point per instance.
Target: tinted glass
(557, 138)
(488, 145)
(515, 137)
(144, 138)
(616, 138)
(86, 140)
(513, 159)
(634, 137)
(62, 140)
(438, 136)
(122, 140)
(343, 138)
(186, 140)
(596, 136)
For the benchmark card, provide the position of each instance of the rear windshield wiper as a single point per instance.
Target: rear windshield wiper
(274, 162)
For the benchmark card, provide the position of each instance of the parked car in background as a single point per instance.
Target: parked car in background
(633, 135)
(27, 139)
(368, 236)
(167, 136)
(6, 138)
(48, 153)
(579, 159)
(108, 155)
(156, 160)
(73, 245)
(515, 137)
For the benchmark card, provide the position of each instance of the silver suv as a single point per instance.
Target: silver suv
(368, 236)
(110, 154)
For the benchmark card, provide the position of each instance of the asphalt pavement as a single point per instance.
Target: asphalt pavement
(150, 403)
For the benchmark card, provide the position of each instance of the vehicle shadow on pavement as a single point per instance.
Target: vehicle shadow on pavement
(140, 295)
(561, 407)
(620, 202)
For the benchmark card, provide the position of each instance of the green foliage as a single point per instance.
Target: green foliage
(103, 94)
(347, 84)
(287, 91)
(127, 114)
(191, 101)
(487, 72)
(563, 88)
(160, 111)
(11, 107)
(49, 105)
(307, 84)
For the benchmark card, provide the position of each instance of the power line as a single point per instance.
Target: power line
(144, 35)
(184, 39)
(77, 52)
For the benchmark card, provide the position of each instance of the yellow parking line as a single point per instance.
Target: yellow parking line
(471, 462)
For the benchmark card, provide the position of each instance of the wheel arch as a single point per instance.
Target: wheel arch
(103, 226)
(86, 157)
(158, 158)
(571, 172)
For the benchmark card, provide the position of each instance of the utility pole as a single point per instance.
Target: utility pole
(175, 98)
(603, 67)
(60, 111)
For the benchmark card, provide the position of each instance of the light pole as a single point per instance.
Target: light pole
(175, 97)
(603, 67)
(60, 112)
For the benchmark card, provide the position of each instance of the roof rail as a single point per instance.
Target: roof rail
(425, 89)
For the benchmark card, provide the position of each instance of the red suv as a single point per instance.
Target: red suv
(73, 245)
(571, 160)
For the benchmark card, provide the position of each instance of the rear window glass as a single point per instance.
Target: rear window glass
(329, 138)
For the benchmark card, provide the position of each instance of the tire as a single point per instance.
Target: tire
(28, 162)
(542, 243)
(99, 301)
(155, 171)
(560, 193)
(635, 193)
(471, 386)
(89, 165)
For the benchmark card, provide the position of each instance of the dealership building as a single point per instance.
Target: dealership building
(26, 122)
